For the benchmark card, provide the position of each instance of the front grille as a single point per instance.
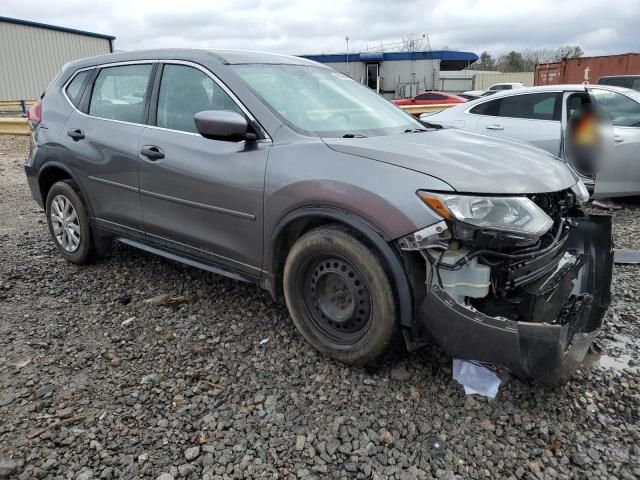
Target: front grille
(555, 204)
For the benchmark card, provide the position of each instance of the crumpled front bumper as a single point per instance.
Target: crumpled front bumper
(568, 312)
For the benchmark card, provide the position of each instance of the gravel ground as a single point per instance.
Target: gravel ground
(96, 382)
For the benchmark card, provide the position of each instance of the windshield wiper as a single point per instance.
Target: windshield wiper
(353, 135)
(430, 127)
(433, 126)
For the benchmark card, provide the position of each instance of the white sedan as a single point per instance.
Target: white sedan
(498, 87)
(539, 115)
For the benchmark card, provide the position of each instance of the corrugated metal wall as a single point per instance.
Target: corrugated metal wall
(31, 57)
(485, 80)
(395, 74)
(456, 84)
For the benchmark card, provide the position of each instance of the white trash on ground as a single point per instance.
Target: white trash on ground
(475, 378)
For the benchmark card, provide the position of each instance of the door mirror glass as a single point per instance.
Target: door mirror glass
(222, 125)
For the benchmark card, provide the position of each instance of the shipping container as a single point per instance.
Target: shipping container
(587, 69)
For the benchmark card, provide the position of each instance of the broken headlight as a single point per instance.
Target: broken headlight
(581, 192)
(516, 216)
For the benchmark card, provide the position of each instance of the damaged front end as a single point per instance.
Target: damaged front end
(529, 301)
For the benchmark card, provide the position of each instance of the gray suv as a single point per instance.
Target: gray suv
(373, 227)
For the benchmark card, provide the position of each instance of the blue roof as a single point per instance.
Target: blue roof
(29, 23)
(446, 55)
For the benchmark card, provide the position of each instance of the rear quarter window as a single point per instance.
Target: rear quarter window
(486, 108)
(76, 87)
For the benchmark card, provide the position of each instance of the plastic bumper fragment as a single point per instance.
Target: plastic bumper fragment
(567, 315)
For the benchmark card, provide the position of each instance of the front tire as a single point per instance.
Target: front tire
(68, 223)
(339, 296)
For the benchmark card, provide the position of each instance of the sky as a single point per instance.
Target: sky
(600, 27)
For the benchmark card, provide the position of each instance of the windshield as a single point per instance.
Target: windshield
(323, 102)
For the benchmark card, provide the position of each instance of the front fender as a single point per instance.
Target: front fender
(307, 178)
(369, 231)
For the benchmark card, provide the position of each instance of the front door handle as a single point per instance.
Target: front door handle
(76, 134)
(618, 139)
(152, 152)
(494, 127)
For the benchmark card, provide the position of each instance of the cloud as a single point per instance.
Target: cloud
(299, 27)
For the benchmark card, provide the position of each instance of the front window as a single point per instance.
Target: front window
(185, 91)
(323, 102)
(622, 110)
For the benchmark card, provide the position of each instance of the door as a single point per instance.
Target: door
(533, 118)
(102, 140)
(201, 197)
(373, 76)
(619, 174)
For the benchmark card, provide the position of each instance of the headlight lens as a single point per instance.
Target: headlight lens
(517, 215)
(581, 192)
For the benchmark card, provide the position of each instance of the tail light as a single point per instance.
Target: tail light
(35, 113)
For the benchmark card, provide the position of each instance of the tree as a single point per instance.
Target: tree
(528, 59)
(568, 51)
(486, 62)
(511, 62)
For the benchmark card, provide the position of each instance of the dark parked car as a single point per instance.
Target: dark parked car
(372, 226)
(626, 81)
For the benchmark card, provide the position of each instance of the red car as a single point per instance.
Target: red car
(430, 98)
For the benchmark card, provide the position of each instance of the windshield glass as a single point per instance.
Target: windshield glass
(323, 102)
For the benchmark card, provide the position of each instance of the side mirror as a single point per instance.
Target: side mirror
(223, 125)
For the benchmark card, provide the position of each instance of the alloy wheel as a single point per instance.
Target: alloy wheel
(65, 223)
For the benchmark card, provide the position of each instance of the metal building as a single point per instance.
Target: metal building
(398, 74)
(32, 54)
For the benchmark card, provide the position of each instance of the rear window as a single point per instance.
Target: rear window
(431, 96)
(616, 81)
(75, 89)
(119, 93)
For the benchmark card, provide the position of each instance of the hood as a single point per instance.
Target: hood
(469, 162)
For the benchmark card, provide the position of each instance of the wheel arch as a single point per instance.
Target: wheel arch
(52, 172)
(296, 223)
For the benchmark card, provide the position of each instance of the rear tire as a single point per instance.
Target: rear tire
(339, 296)
(68, 223)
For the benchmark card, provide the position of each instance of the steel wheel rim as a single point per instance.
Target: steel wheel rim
(65, 224)
(336, 299)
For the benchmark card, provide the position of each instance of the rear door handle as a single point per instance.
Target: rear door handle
(494, 127)
(618, 139)
(152, 152)
(76, 134)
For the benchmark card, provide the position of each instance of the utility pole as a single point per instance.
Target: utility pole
(347, 40)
